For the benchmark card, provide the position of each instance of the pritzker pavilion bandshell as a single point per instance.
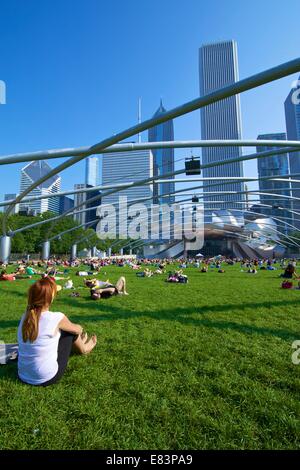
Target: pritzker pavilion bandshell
(75, 155)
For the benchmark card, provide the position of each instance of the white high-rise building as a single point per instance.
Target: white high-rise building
(125, 167)
(32, 173)
(92, 171)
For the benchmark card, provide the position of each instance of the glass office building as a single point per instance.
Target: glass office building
(277, 165)
(126, 167)
(92, 171)
(218, 67)
(292, 118)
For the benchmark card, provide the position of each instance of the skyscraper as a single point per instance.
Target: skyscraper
(9, 197)
(218, 67)
(92, 171)
(292, 118)
(79, 198)
(89, 215)
(32, 173)
(125, 167)
(163, 159)
(65, 203)
(277, 165)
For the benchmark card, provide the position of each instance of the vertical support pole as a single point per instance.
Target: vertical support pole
(46, 250)
(121, 251)
(109, 252)
(5, 249)
(94, 251)
(130, 251)
(185, 253)
(73, 252)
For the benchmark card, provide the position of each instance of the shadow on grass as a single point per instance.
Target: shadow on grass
(10, 372)
(110, 312)
(106, 310)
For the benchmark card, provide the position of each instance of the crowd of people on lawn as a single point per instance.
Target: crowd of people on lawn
(46, 338)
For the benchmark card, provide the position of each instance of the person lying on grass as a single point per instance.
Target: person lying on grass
(109, 290)
(93, 283)
(177, 276)
(146, 273)
(159, 271)
(47, 338)
(204, 269)
(4, 276)
(7, 277)
(25, 272)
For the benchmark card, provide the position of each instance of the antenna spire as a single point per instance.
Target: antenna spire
(140, 118)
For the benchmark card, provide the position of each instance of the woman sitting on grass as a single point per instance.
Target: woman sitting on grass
(290, 272)
(47, 338)
(109, 290)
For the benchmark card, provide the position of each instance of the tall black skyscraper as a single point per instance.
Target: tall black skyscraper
(163, 159)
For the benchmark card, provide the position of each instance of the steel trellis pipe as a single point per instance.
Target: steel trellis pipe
(86, 224)
(250, 212)
(148, 180)
(254, 81)
(124, 185)
(128, 147)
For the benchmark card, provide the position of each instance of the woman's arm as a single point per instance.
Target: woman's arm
(66, 325)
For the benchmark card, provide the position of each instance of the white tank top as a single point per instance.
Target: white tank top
(37, 361)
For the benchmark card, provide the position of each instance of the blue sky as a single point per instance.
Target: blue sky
(74, 69)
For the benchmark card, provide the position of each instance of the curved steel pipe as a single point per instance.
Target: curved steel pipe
(253, 81)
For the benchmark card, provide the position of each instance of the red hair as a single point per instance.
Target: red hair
(40, 295)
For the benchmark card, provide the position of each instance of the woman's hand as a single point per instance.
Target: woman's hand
(66, 325)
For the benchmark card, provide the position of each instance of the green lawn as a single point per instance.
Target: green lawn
(205, 365)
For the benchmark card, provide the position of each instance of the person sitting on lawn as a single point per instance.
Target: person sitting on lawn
(109, 290)
(47, 338)
(252, 270)
(290, 272)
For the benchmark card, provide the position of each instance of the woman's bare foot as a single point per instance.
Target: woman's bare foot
(126, 293)
(89, 346)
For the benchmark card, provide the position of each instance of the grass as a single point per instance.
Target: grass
(205, 365)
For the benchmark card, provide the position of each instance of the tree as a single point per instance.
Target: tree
(30, 240)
